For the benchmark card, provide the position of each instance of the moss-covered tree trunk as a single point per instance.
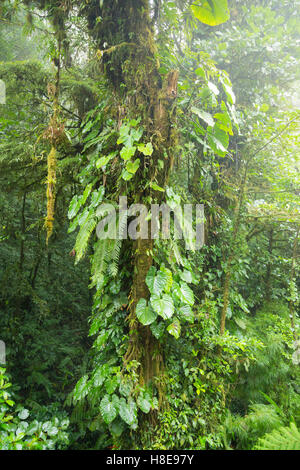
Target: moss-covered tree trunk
(126, 45)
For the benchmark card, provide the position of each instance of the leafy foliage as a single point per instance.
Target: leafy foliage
(150, 344)
(19, 434)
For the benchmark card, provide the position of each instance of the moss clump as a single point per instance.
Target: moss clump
(51, 182)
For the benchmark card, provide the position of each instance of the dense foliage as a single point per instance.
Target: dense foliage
(149, 343)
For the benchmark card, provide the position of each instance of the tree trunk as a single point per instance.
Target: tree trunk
(292, 276)
(269, 266)
(232, 250)
(130, 63)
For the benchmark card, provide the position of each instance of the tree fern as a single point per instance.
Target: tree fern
(284, 438)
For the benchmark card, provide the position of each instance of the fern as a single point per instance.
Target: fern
(83, 236)
(262, 418)
(107, 254)
(244, 431)
(122, 226)
(284, 438)
(99, 262)
(115, 255)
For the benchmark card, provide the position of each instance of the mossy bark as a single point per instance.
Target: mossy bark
(126, 46)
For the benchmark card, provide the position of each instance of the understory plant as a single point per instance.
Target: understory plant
(20, 431)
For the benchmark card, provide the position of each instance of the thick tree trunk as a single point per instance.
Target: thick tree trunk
(130, 63)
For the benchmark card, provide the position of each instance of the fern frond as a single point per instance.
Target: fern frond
(244, 431)
(83, 237)
(99, 262)
(263, 418)
(284, 438)
(106, 254)
(115, 255)
(122, 227)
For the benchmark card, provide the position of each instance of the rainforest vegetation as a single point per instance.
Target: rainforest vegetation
(153, 342)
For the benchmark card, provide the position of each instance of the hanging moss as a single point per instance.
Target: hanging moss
(51, 182)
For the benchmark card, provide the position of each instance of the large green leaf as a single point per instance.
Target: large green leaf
(128, 411)
(101, 339)
(163, 306)
(126, 175)
(186, 294)
(144, 403)
(159, 282)
(167, 273)
(186, 275)
(111, 384)
(206, 117)
(146, 149)
(132, 167)
(127, 152)
(145, 313)
(100, 375)
(81, 388)
(218, 140)
(211, 12)
(150, 278)
(157, 329)
(186, 313)
(175, 328)
(108, 409)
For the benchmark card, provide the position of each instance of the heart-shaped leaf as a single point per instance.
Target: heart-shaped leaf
(145, 313)
(132, 167)
(108, 409)
(163, 306)
(211, 12)
(175, 328)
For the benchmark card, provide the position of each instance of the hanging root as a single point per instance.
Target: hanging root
(51, 182)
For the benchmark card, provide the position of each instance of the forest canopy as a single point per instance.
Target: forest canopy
(149, 225)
